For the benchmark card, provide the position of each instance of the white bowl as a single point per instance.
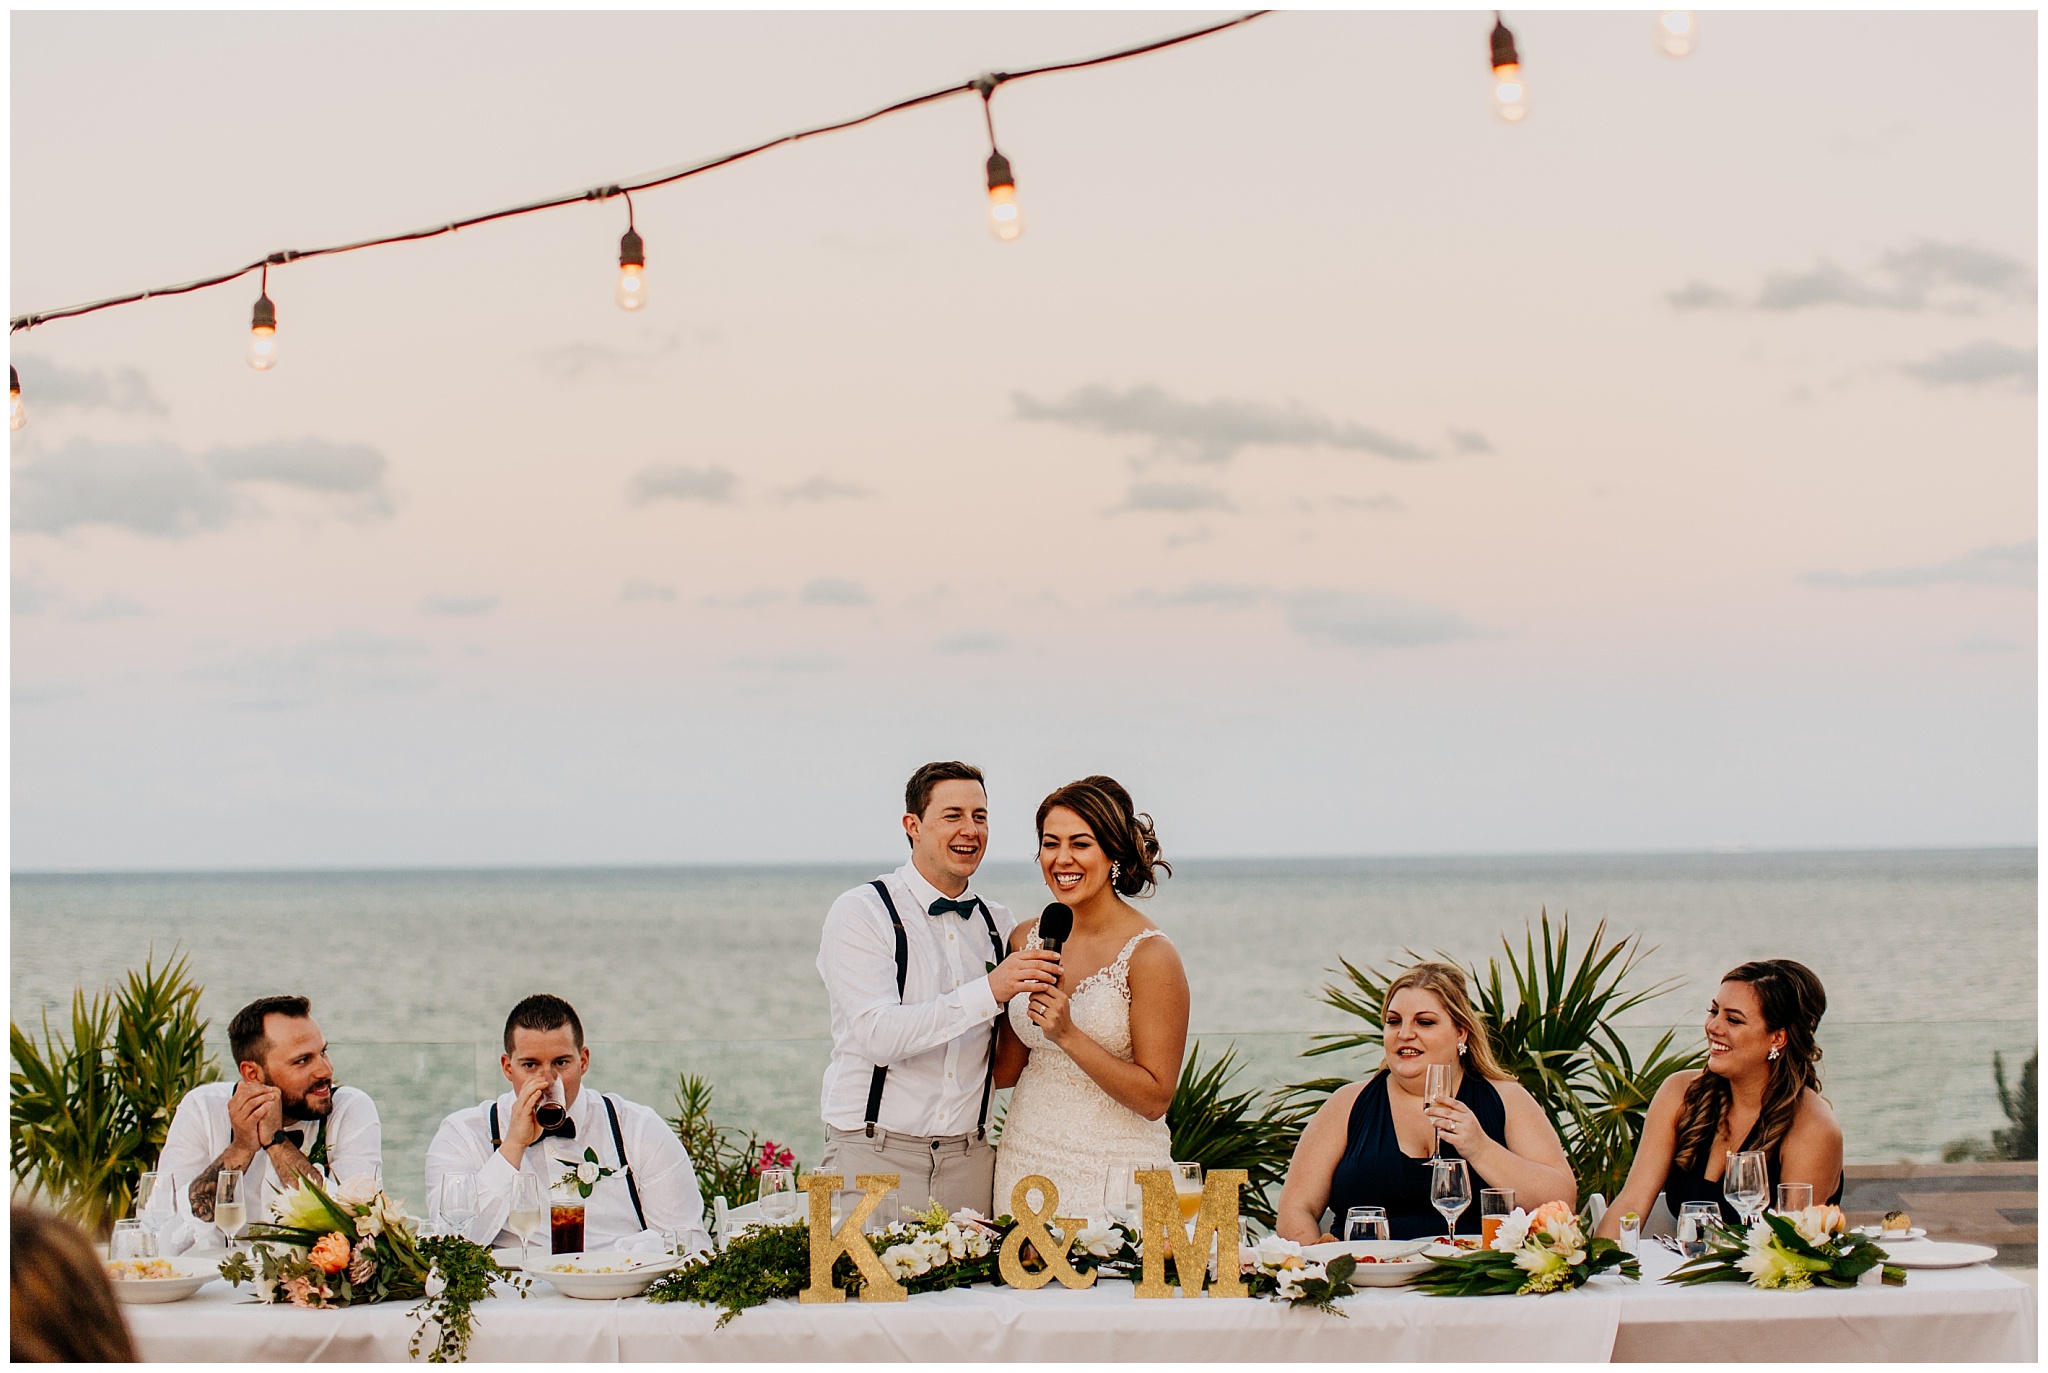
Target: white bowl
(582, 1275)
(193, 1274)
(1384, 1270)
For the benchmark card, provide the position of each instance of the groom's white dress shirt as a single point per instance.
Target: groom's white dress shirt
(934, 1039)
(661, 1169)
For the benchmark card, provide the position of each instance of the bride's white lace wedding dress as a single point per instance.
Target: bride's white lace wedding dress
(1060, 1124)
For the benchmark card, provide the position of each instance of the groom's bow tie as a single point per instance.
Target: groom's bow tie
(297, 1137)
(962, 908)
(566, 1130)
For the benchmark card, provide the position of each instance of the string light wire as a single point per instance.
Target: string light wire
(647, 182)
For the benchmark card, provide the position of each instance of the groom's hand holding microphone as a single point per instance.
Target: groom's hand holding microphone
(1031, 970)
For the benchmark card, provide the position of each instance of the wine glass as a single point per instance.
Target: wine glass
(145, 1192)
(1121, 1196)
(1187, 1187)
(529, 1210)
(458, 1201)
(778, 1195)
(230, 1205)
(1450, 1191)
(1436, 1082)
(1794, 1197)
(1365, 1223)
(1747, 1184)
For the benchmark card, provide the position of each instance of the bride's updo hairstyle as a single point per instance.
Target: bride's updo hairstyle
(1793, 1000)
(1125, 835)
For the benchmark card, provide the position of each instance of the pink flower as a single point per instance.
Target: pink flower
(300, 1291)
(363, 1266)
(774, 1155)
(331, 1254)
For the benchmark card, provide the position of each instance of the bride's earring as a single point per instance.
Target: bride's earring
(1116, 870)
(1773, 1054)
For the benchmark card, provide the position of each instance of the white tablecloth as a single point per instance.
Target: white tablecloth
(1961, 1314)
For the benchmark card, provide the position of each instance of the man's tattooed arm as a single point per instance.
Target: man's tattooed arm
(200, 1194)
(291, 1165)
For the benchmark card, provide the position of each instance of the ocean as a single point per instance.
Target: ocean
(1929, 958)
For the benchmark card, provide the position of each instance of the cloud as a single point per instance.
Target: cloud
(637, 590)
(1370, 620)
(158, 489)
(150, 488)
(1222, 595)
(51, 386)
(111, 608)
(1176, 497)
(835, 591)
(676, 482)
(1980, 363)
(973, 641)
(2010, 564)
(1208, 431)
(1956, 278)
(34, 593)
(1383, 501)
(342, 666)
(1468, 441)
(574, 361)
(1988, 643)
(43, 693)
(463, 607)
(819, 489)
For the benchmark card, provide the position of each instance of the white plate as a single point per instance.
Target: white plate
(640, 1271)
(512, 1257)
(193, 1274)
(1382, 1274)
(1940, 1254)
(1892, 1236)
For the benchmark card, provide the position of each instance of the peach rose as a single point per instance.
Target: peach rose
(332, 1253)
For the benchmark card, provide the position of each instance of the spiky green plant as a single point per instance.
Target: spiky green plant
(1219, 1130)
(2021, 1104)
(728, 1159)
(1551, 1020)
(88, 1114)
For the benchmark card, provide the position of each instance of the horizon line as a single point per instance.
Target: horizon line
(1714, 851)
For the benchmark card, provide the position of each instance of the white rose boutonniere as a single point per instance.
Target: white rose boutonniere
(584, 1175)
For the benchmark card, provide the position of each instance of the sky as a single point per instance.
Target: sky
(1343, 469)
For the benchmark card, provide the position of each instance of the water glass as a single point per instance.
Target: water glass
(1747, 1184)
(1450, 1191)
(888, 1211)
(1366, 1223)
(1697, 1221)
(131, 1242)
(145, 1192)
(778, 1195)
(1436, 1082)
(1121, 1196)
(1495, 1204)
(1794, 1197)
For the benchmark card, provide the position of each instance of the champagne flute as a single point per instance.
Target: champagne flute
(528, 1210)
(1450, 1191)
(1747, 1184)
(230, 1205)
(1187, 1187)
(1436, 1082)
(779, 1197)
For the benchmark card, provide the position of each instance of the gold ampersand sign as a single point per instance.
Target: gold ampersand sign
(1215, 1227)
(827, 1245)
(1032, 1225)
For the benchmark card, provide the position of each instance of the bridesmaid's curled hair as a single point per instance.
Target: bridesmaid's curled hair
(1793, 1000)
(1125, 834)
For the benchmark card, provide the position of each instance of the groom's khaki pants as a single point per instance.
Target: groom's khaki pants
(955, 1170)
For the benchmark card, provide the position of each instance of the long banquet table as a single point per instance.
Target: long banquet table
(1969, 1314)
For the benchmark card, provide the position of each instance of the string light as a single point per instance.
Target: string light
(1005, 215)
(1677, 32)
(17, 413)
(262, 354)
(631, 292)
(1510, 90)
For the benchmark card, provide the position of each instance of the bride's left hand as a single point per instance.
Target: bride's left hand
(1051, 1013)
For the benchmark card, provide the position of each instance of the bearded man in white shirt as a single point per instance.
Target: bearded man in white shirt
(280, 1120)
(915, 967)
(648, 1189)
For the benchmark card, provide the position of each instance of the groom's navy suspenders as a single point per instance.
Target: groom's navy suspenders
(988, 1083)
(618, 1143)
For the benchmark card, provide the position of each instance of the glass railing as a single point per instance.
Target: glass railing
(1902, 1090)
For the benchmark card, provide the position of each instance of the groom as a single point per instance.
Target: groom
(913, 963)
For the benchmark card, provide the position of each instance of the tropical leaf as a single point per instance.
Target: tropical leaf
(1220, 1129)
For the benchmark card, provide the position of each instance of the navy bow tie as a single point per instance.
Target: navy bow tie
(566, 1130)
(297, 1137)
(964, 908)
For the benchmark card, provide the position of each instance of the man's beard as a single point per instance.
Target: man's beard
(298, 1108)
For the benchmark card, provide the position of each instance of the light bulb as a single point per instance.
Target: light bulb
(1510, 93)
(1005, 215)
(17, 413)
(262, 354)
(631, 292)
(1677, 32)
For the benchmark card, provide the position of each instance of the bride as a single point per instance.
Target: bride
(1094, 1060)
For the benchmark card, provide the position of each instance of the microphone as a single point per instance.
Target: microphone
(1055, 924)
